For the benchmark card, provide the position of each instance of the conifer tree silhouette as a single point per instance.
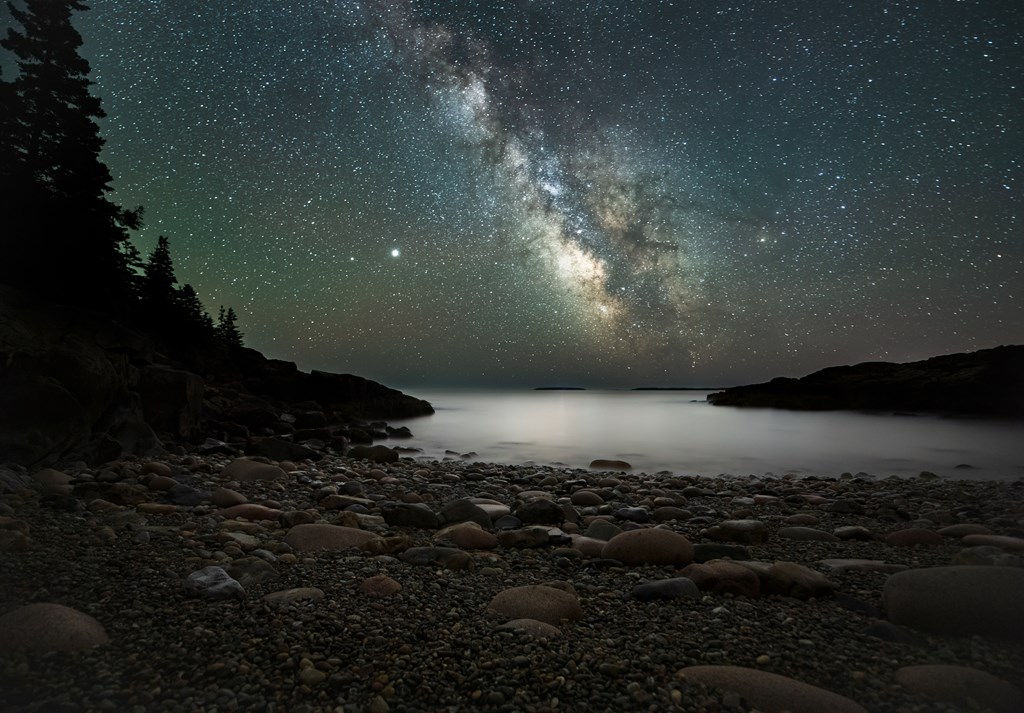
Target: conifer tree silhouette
(62, 230)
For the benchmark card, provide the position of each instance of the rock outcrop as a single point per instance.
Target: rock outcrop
(77, 385)
(986, 382)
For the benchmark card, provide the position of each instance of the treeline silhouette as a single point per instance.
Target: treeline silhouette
(63, 239)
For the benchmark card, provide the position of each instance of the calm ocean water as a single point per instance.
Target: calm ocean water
(678, 431)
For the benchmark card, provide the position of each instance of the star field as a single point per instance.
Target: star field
(618, 193)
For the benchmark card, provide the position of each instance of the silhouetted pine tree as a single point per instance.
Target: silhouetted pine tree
(227, 331)
(61, 232)
(197, 324)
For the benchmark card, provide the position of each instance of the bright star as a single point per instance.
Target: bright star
(395, 252)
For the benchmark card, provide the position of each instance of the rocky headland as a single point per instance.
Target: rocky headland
(77, 385)
(988, 382)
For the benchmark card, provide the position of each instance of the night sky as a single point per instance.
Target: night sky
(621, 193)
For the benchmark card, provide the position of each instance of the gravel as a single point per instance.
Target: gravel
(433, 645)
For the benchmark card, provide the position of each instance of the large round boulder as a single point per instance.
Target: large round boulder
(958, 600)
(649, 546)
(537, 601)
(319, 536)
(50, 627)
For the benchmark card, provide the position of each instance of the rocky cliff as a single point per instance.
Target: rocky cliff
(986, 382)
(75, 384)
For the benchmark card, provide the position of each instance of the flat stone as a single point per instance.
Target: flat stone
(770, 692)
(967, 688)
(861, 565)
(965, 528)
(853, 532)
(318, 536)
(1010, 544)
(245, 470)
(285, 597)
(537, 601)
(673, 588)
(49, 627)
(959, 600)
(806, 534)
(250, 511)
(914, 536)
(531, 627)
(649, 546)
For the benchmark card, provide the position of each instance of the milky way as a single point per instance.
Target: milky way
(608, 193)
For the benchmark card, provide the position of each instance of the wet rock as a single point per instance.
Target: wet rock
(963, 529)
(586, 498)
(279, 449)
(986, 556)
(633, 514)
(250, 571)
(861, 565)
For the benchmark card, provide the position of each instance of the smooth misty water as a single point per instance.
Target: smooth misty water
(678, 431)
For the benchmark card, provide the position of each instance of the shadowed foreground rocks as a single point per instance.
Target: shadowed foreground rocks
(77, 385)
(986, 382)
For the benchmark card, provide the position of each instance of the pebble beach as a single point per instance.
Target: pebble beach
(219, 583)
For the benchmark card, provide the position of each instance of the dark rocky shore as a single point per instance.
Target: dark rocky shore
(212, 582)
(988, 382)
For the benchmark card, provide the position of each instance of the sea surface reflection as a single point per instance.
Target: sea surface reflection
(678, 431)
